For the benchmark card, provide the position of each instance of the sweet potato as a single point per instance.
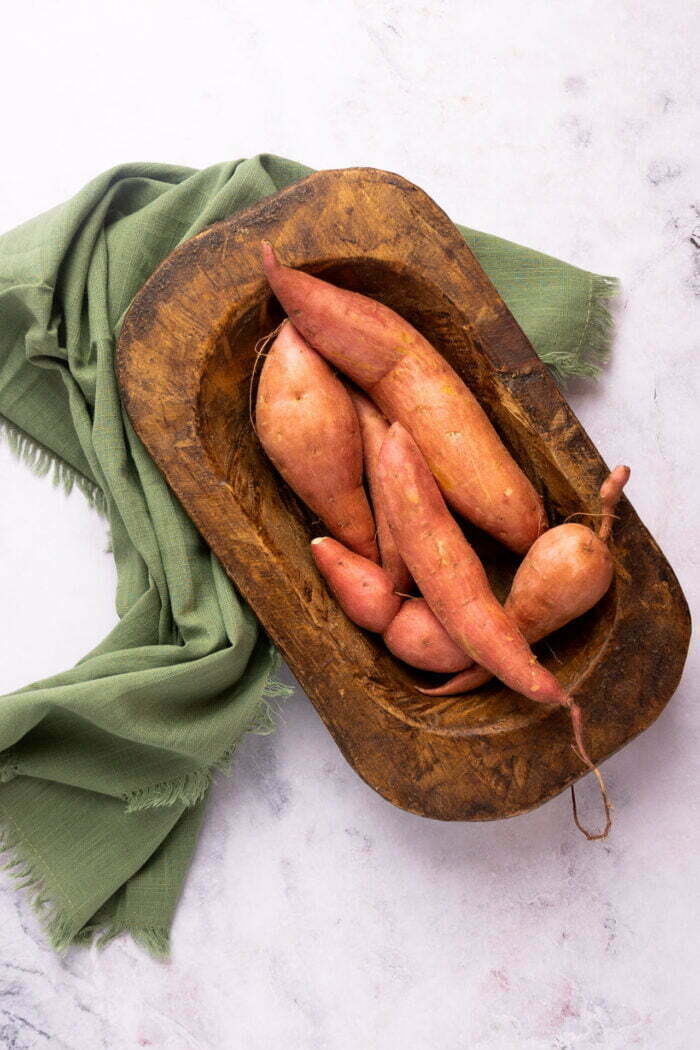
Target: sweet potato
(563, 575)
(363, 590)
(454, 584)
(373, 427)
(449, 574)
(413, 384)
(417, 637)
(308, 427)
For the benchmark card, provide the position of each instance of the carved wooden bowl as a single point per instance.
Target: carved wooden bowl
(185, 360)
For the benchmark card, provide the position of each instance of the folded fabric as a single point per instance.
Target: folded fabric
(104, 768)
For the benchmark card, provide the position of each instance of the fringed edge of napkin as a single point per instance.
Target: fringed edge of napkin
(155, 939)
(58, 927)
(593, 348)
(190, 788)
(42, 461)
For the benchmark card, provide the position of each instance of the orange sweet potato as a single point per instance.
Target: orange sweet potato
(563, 575)
(308, 427)
(417, 637)
(373, 427)
(449, 574)
(453, 582)
(363, 590)
(413, 384)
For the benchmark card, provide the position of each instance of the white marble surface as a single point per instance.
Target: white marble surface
(316, 915)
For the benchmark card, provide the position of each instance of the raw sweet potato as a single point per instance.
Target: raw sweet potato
(308, 426)
(373, 427)
(417, 637)
(563, 575)
(454, 584)
(413, 384)
(449, 574)
(363, 590)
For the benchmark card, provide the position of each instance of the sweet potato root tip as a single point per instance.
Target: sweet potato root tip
(269, 255)
(610, 492)
(579, 748)
(259, 350)
(464, 682)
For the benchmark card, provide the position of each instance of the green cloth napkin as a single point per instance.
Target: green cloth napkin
(104, 768)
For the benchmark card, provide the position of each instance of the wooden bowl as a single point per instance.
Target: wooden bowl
(185, 360)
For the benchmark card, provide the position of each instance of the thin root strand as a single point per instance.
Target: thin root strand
(580, 751)
(260, 349)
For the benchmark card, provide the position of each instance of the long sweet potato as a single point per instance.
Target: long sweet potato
(308, 426)
(363, 590)
(449, 574)
(563, 575)
(413, 384)
(373, 427)
(455, 586)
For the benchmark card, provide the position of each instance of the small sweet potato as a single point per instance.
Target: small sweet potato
(308, 427)
(417, 637)
(363, 590)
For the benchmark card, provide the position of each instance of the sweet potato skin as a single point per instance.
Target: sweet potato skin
(610, 492)
(413, 384)
(350, 330)
(417, 637)
(564, 574)
(475, 472)
(450, 576)
(308, 427)
(364, 591)
(373, 428)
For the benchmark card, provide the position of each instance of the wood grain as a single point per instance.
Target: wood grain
(185, 362)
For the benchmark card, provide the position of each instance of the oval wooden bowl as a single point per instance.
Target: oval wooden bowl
(185, 360)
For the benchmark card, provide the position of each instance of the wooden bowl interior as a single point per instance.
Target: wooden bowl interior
(225, 407)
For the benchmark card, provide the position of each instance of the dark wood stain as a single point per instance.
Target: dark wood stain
(185, 359)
